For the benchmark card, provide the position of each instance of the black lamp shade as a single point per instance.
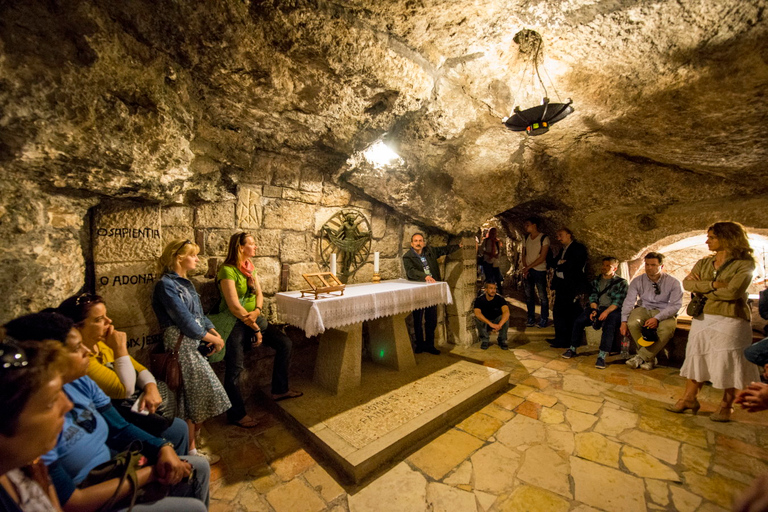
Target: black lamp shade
(536, 120)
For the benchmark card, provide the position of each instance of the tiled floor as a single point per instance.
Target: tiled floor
(566, 437)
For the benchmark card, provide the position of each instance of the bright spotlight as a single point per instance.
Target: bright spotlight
(380, 155)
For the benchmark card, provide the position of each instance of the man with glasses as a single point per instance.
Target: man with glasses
(650, 311)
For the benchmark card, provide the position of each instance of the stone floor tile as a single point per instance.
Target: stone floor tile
(250, 501)
(461, 476)
(323, 483)
(595, 447)
(683, 500)
(401, 489)
(695, 459)
(560, 438)
(228, 490)
(668, 428)
(733, 474)
(546, 373)
(508, 401)
(440, 456)
(536, 382)
(615, 421)
(737, 445)
(715, 488)
(532, 499)
(660, 447)
(277, 441)
(480, 425)
(521, 430)
(558, 365)
(584, 508)
(243, 455)
(494, 467)
(224, 506)
(551, 416)
(583, 385)
(607, 488)
(295, 496)
(617, 379)
(486, 500)
(444, 498)
(579, 421)
(740, 431)
(579, 404)
(641, 464)
(739, 462)
(292, 464)
(542, 399)
(532, 364)
(529, 409)
(521, 390)
(543, 467)
(498, 412)
(264, 484)
(658, 491)
(711, 507)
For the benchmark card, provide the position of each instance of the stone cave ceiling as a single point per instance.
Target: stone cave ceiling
(151, 100)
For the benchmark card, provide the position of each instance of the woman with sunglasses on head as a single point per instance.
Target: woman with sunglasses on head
(118, 374)
(178, 309)
(93, 430)
(34, 407)
(241, 323)
(718, 337)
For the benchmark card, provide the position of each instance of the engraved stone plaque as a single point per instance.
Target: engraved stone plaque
(126, 232)
(249, 207)
(127, 291)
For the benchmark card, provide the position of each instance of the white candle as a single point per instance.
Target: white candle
(333, 263)
(376, 262)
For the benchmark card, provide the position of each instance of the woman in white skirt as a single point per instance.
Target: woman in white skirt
(718, 337)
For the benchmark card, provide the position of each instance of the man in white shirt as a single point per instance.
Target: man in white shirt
(535, 251)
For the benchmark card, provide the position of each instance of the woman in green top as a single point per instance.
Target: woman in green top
(241, 303)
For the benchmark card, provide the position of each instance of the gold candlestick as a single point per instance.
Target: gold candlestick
(376, 277)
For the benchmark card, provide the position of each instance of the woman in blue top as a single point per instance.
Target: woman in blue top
(93, 429)
(178, 309)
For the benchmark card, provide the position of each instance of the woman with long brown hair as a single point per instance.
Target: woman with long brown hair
(240, 321)
(718, 337)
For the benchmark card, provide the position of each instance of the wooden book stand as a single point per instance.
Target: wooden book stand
(323, 282)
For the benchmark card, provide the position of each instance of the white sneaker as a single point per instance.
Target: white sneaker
(212, 458)
(634, 362)
(649, 365)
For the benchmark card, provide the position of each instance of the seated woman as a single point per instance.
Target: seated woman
(178, 309)
(240, 322)
(33, 413)
(115, 371)
(93, 428)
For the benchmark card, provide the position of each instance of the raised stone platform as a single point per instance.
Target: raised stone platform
(363, 429)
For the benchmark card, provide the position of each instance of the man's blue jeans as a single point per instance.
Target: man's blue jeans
(484, 330)
(536, 279)
(757, 353)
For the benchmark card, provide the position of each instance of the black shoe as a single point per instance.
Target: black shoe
(417, 350)
(433, 350)
(503, 346)
(484, 345)
(551, 340)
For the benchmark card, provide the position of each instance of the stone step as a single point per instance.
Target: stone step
(361, 431)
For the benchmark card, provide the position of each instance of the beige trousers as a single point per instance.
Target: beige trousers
(666, 330)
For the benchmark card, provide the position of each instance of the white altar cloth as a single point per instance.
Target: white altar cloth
(359, 303)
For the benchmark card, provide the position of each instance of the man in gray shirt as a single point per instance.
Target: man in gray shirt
(652, 302)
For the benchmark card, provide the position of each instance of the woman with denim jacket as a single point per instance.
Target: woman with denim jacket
(178, 309)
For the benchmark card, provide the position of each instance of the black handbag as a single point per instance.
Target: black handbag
(696, 306)
(122, 466)
(154, 423)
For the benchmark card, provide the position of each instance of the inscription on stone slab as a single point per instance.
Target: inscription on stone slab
(126, 233)
(368, 422)
(248, 208)
(127, 291)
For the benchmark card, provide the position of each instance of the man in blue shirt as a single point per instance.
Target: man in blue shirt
(652, 302)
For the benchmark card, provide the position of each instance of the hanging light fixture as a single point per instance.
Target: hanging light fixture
(535, 120)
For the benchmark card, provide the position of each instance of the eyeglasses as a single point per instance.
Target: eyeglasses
(12, 356)
(85, 298)
(182, 246)
(656, 289)
(86, 420)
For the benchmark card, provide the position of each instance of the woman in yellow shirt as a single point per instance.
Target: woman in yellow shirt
(118, 374)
